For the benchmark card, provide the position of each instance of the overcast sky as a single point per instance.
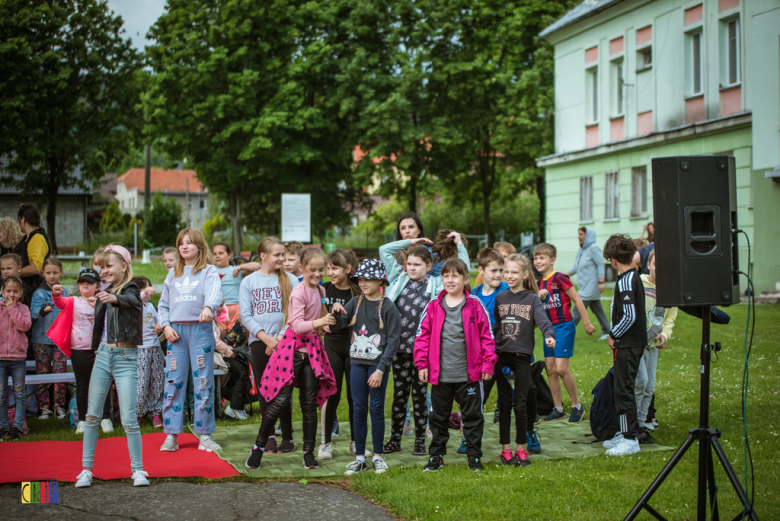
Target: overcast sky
(138, 15)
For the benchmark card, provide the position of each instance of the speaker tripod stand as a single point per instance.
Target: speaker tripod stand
(708, 441)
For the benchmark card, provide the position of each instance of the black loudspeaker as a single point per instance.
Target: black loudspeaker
(695, 212)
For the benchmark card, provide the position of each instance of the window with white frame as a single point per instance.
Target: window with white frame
(612, 195)
(730, 56)
(586, 199)
(694, 63)
(644, 58)
(639, 191)
(618, 89)
(592, 93)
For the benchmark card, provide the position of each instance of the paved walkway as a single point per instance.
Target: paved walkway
(219, 501)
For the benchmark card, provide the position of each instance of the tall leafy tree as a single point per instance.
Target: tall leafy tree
(244, 89)
(67, 95)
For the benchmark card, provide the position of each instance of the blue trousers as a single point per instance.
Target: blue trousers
(121, 364)
(192, 353)
(16, 370)
(361, 393)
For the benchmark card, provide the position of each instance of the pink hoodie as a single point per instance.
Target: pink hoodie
(480, 346)
(14, 321)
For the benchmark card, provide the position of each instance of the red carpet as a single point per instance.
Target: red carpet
(61, 460)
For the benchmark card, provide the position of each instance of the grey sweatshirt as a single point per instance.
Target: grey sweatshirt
(371, 345)
(183, 298)
(260, 303)
(517, 314)
(589, 267)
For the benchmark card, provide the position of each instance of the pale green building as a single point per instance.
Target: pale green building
(638, 79)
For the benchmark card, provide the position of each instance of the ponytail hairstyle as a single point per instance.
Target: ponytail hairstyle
(204, 253)
(444, 248)
(265, 247)
(357, 307)
(529, 281)
(116, 288)
(346, 260)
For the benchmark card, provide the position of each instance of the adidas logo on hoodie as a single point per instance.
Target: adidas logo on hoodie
(184, 288)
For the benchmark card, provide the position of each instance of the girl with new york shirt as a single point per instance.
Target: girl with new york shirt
(264, 301)
(191, 294)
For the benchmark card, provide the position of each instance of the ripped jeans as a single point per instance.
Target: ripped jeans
(121, 364)
(14, 369)
(193, 352)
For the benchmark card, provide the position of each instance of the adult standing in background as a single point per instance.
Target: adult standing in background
(10, 235)
(648, 232)
(33, 249)
(589, 268)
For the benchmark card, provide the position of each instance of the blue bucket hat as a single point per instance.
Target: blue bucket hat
(371, 269)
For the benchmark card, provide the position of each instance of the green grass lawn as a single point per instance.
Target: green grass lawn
(601, 487)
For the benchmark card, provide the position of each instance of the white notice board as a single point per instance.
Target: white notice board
(296, 217)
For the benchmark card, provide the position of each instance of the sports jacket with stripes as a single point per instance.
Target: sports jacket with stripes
(628, 311)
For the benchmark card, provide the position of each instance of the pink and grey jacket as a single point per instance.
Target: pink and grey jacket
(14, 321)
(480, 346)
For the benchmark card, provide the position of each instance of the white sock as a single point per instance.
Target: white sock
(559, 409)
(376, 458)
(173, 437)
(578, 406)
(204, 437)
(361, 459)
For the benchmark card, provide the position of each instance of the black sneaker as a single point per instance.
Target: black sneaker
(392, 446)
(15, 433)
(644, 437)
(435, 463)
(254, 459)
(3, 433)
(475, 465)
(357, 466)
(309, 461)
(270, 446)
(495, 418)
(285, 447)
(537, 420)
(419, 448)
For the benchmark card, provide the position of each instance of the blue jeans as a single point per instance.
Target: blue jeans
(15, 369)
(121, 364)
(361, 392)
(193, 353)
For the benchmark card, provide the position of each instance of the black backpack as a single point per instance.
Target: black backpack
(544, 399)
(604, 421)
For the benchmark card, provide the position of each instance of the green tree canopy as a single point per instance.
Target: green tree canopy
(112, 220)
(164, 221)
(67, 95)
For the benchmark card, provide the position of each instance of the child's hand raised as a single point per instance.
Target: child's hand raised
(423, 374)
(237, 271)
(91, 301)
(338, 308)
(456, 236)
(107, 298)
(9, 301)
(550, 341)
(149, 291)
(56, 291)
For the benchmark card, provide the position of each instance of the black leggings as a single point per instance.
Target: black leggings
(524, 402)
(83, 360)
(405, 377)
(236, 383)
(338, 356)
(259, 362)
(308, 385)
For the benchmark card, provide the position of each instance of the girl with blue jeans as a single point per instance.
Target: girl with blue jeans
(191, 294)
(376, 333)
(116, 336)
(14, 322)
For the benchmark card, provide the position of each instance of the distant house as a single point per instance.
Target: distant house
(73, 203)
(181, 185)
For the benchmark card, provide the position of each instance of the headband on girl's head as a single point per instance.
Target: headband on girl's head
(122, 251)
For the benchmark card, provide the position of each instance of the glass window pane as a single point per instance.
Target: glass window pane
(696, 63)
(733, 52)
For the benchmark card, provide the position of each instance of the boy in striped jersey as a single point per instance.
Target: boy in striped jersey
(627, 339)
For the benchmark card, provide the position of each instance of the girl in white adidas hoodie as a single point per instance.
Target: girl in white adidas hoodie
(191, 293)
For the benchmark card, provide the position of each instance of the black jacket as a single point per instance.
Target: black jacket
(125, 318)
(31, 282)
(629, 321)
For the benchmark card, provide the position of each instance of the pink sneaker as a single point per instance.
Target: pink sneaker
(521, 459)
(506, 457)
(157, 422)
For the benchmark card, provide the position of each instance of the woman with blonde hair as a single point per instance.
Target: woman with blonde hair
(10, 235)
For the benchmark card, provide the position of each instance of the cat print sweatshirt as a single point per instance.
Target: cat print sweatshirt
(370, 344)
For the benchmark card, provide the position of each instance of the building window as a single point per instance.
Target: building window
(202, 203)
(189, 204)
(618, 89)
(645, 58)
(695, 64)
(639, 191)
(612, 195)
(586, 199)
(730, 52)
(592, 92)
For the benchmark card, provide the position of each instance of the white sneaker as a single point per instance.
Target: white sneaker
(106, 425)
(380, 466)
(208, 444)
(45, 413)
(242, 415)
(325, 452)
(139, 478)
(60, 412)
(649, 426)
(171, 444)
(603, 338)
(408, 430)
(230, 413)
(624, 448)
(610, 444)
(84, 479)
(80, 427)
(357, 466)
(655, 423)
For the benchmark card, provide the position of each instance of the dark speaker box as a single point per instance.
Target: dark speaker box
(695, 218)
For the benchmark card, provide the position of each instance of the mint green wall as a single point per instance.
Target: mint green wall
(563, 191)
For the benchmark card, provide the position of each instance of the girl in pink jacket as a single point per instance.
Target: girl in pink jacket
(455, 351)
(14, 322)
